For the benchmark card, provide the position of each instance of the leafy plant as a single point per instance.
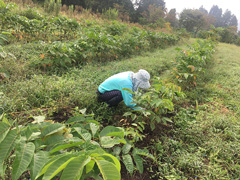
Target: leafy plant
(158, 102)
(190, 65)
(131, 155)
(110, 14)
(72, 150)
(47, 148)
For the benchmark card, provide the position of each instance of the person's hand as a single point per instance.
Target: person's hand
(143, 108)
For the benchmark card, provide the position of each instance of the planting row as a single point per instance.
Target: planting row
(190, 65)
(89, 41)
(97, 44)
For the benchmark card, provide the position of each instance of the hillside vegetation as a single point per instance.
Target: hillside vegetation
(53, 127)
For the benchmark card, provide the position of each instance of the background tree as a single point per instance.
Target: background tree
(229, 19)
(216, 12)
(209, 20)
(192, 20)
(153, 15)
(143, 7)
(171, 17)
(233, 21)
(203, 10)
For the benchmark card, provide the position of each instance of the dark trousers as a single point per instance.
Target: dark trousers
(112, 98)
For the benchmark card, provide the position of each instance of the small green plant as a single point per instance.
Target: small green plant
(158, 102)
(190, 65)
(52, 6)
(110, 14)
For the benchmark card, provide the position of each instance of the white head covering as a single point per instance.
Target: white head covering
(140, 80)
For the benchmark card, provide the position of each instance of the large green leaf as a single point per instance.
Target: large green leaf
(24, 154)
(127, 161)
(74, 169)
(94, 127)
(28, 133)
(38, 160)
(126, 148)
(65, 146)
(108, 142)
(54, 139)
(114, 159)
(4, 128)
(7, 145)
(139, 162)
(143, 152)
(108, 170)
(57, 166)
(89, 166)
(83, 133)
(51, 129)
(112, 131)
(49, 163)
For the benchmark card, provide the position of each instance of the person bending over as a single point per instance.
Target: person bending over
(112, 90)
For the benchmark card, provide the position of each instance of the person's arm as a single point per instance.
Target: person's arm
(128, 99)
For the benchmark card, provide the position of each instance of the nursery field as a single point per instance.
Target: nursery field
(53, 127)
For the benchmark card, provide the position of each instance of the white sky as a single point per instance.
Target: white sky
(179, 5)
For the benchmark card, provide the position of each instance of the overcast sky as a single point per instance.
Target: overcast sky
(232, 5)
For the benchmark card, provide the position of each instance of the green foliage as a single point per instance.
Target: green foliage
(52, 6)
(104, 44)
(190, 65)
(158, 102)
(192, 19)
(110, 14)
(221, 34)
(95, 43)
(76, 148)
(31, 14)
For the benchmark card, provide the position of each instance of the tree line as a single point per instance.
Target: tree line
(155, 13)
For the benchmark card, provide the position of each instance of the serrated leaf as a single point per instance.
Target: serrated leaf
(74, 169)
(65, 146)
(7, 145)
(57, 166)
(4, 128)
(126, 148)
(112, 131)
(94, 127)
(117, 151)
(89, 166)
(51, 129)
(143, 152)
(139, 162)
(83, 133)
(167, 119)
(24, 154)
(48, 163)
(168, 104)
(75, 119)
(54, 139)
(115, 160)
(28, 133)
(108, 170)
(108, 142)
(127, 161)
(127, 114)
(38, 160)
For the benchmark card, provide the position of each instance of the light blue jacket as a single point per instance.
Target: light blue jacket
(119, 82)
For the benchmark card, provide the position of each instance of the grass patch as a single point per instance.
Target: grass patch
(30, 87)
